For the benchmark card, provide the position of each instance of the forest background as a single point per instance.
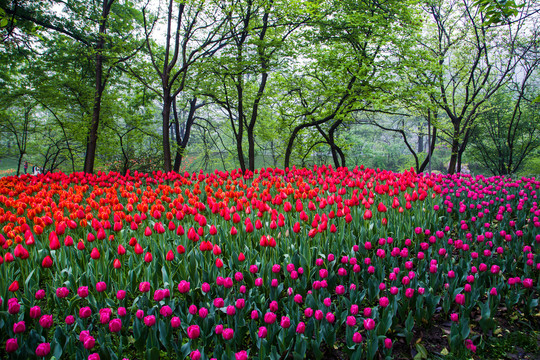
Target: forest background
(148, 85)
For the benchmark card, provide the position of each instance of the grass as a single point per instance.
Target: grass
(8, 166)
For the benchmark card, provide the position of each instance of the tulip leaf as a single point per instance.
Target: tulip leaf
(300, 348)
(152, 353)
(357, 355)
(163, 334)
(29, 278)
(185, 349)
(58, 342)
(464, 328)
(372, 348)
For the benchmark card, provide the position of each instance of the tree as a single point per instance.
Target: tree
(105, 30)
(474, 60)
(509, 131)
(195, 31)
(259, 48)
(16, 122)
(352, 65)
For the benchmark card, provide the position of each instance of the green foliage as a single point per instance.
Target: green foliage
(506, 135)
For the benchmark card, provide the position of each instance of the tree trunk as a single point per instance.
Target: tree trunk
(432, 147)
(251, 150)
(19, 163)
(183, 139)
(91, 145)
(166, 113)
(455, 151)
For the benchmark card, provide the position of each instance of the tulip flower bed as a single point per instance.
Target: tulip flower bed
(273, 264)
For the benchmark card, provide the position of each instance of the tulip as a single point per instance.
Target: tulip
(46, 321)
(270, 318)
(19, 327)
(89, 342)
(35, 312)
(62, 292)
(175, 322)
(144, 287)
(14, 286)
(93, 356)
(95, 254)
(149, 320)
(241, 355)
(12, 345)
(183, 286)
(369, 324)
(195, 355)
(85, 312)
(262, 333)
(357, 338)
(227, 334)
(193, 331)
(101, 286)
(43, 349)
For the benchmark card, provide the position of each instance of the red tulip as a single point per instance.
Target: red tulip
(47, 262)
(138, 249)
(367, 214)
(117, 226)
(170, 256)
(180, 230)
(54, 244)
(21, 252)
(192, 235)
(147, 231)
(117, 264)
(14, 286)
(101, 234)
(180, 249)
(68, 241)
(121, 250)
(95, 254)
(148, 257)
(219, 263)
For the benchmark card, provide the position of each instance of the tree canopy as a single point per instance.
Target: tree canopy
(174, 85)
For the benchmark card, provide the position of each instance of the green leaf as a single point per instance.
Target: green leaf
(421, 351)
(152, 353)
